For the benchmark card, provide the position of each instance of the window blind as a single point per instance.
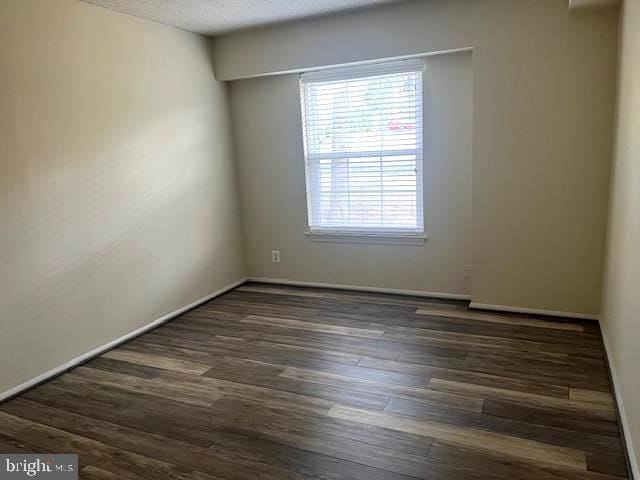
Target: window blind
(363, 148)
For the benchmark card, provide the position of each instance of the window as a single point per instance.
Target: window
(363, 149)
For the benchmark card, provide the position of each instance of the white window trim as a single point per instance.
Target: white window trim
(366, 238)
(369, 236)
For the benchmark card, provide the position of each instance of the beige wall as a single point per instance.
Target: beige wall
(117, 186)
(268, 139)
(621, 304)
(544, 82)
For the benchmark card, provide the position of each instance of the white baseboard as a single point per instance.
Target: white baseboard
(533, 311)
(415, 293)
(114, 343)
(626, 429)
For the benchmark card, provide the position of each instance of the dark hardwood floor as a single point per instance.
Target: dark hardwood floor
(268, 382)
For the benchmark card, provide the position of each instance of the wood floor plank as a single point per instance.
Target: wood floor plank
(590, 396)
(175, 460)
(203, 352)
(125, 368)
(591, 410)
(428, 339)
(298, 435)
(607, 463)
(151, 387)
(202, 391)
(429, 372)
(305, 402)
(506, 467)
(280, 291)
(227, 421)
(157, 361)
(389, 389)
(332, 319)
(587, 344)
(11, 426)
(10, 444)
(354, 296)
(517, 447)
(291, 350)
(522, 369)
(275, 419)
(261, 378)
(367, 373)
(226, 307)
(278, 335)
(276, 382)
(561, 435)
(115, 460)
(299, 451)
(400, 300)
(457, 331)
(551, 418)
(324, 305)
(90, 472)
(482, 341)
(305, 435)
(509, 320)
(428, 359)
(314, 327)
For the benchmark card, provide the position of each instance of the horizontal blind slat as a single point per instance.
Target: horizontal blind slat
(363, 71)
(363, 148)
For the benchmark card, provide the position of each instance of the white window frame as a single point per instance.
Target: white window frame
(367, 235)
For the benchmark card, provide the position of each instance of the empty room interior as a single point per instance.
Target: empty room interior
(320, 239)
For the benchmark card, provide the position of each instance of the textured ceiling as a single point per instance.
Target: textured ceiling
(213, 17)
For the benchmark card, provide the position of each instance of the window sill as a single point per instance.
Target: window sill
(371, 239)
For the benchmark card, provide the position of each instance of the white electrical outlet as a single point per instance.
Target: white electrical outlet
(275, 256)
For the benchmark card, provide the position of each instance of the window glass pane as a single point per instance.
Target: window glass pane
(363, 151)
